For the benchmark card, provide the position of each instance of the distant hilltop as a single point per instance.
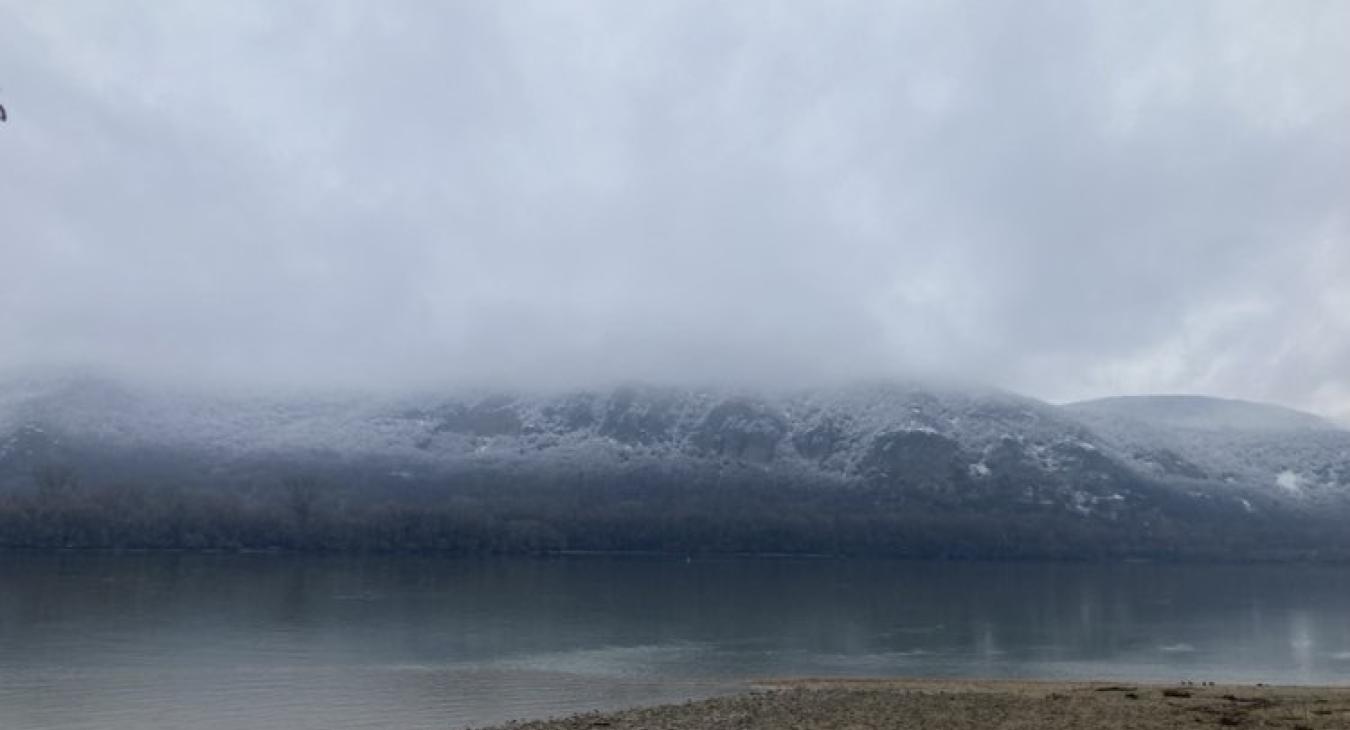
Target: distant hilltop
(1201, 412)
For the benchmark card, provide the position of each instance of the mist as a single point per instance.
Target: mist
(1067, 200)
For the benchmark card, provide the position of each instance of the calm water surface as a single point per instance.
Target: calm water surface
(211, 641)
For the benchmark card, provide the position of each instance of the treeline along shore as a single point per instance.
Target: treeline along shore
(489, 513)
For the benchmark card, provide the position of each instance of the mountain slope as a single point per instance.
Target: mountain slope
(879, 467)
(852, 432)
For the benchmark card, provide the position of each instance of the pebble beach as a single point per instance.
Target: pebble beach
(809, 704)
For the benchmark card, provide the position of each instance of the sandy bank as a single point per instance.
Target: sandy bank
(812, 704)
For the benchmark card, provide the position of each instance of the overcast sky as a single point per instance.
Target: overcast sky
(1068, 199)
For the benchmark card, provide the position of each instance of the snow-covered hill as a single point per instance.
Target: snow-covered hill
(1198, 442)
(835, 430)
(961, 449)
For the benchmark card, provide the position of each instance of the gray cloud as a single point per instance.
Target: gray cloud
(1065, 199)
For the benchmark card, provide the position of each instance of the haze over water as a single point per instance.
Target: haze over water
(212, 641)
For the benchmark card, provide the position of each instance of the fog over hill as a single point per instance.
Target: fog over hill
(1069, 200)
(976, 459)
(365, 275)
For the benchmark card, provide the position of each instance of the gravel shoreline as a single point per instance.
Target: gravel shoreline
(816, 704)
